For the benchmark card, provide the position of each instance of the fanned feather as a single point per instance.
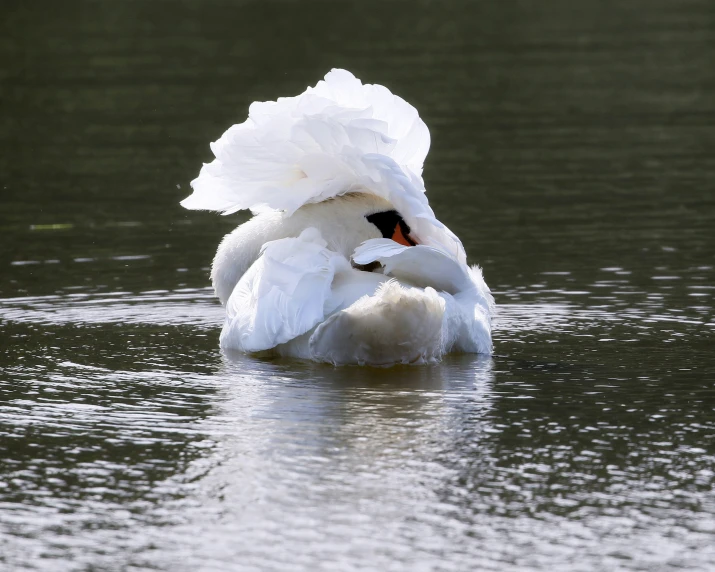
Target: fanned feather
(337, 137)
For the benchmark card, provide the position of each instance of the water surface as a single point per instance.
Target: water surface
(574, 154)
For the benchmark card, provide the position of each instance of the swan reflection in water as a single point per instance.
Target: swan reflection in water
(315, 463)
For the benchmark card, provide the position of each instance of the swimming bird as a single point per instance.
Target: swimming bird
(343, 261)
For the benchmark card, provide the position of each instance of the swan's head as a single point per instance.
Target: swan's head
(393, 226)
(344, 222)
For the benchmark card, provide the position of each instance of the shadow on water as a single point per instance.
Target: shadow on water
(455, 368)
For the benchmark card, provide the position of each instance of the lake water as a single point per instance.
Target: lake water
(574, 154)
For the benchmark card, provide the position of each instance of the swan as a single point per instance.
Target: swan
(344, 261)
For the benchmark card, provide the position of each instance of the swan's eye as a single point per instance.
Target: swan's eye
(392, 226)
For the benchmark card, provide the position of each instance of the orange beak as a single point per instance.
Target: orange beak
(401, 238)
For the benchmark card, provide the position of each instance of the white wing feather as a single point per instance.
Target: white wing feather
(419, 265)
(468, 301)
(284, 294)
(340, 136)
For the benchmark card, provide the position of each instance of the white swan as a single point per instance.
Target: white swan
(344, 260)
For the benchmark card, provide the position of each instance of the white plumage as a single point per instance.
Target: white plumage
(310, 276)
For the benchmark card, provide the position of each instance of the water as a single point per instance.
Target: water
(573, 152)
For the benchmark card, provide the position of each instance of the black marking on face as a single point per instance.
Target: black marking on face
(387, 223)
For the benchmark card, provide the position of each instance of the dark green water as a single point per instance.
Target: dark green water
(574, 154)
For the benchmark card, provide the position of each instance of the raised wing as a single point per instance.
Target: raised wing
(418, 265)
(284, 294)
